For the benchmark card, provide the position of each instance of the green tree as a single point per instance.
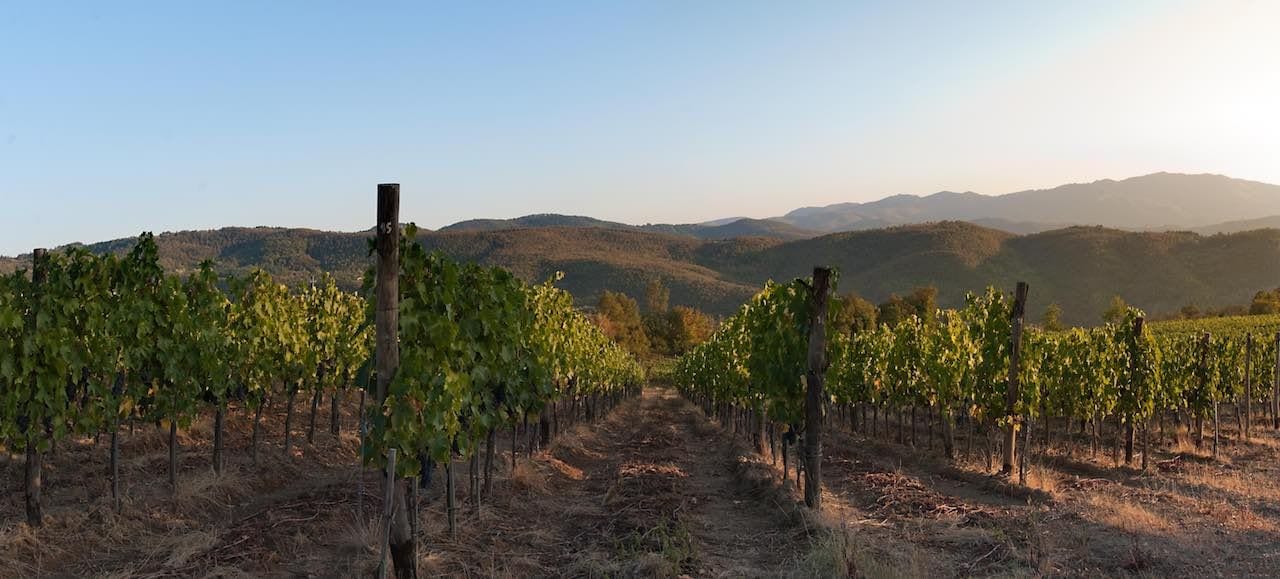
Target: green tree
(924, 303)
(894, 310)
(688, 328)
(851, 313)
(618, 316)
(657, 298)
(1115, 313)
(1052, 318)
(1265, 302)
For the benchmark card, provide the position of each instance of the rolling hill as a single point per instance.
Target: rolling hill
(1156, 201)
(720, 229)
(1080, 268)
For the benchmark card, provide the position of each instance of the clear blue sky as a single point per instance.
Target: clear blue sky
(118, 117)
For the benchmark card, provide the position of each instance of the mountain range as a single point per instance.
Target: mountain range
(716, 266)
(1160, 201)
(1157, 202)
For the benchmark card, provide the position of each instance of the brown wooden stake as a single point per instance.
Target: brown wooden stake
(1248, 383)
(451, 498)
(1275, 388)
(315, 404)
(173, 455)
(257, 429)
(388, 510)
(474, 479)
(288, 421)
(116, 392)
(1012, 385)
(387, 358)
(488, 460)
(335, 425)
(219, 418)
(35, 460)
(814, 408)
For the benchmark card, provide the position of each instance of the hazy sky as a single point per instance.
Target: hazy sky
(117, 117)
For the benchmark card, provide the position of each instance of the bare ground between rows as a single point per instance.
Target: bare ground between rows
(654, 490)
(910, 512)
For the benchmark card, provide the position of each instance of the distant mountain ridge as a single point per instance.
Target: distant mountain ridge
(1080, 268)
(719, 229)
(1156, 201)
(1272, 222)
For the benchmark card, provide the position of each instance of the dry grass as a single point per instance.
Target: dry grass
(1043, 478)
(530, 477)
(1241, 484)
(843, 552)
(1126, 515)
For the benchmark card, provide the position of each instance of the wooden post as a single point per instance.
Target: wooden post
(1011, 390)
(388, 509)
(814, 398)
(387, 358)
(1205, 340)
(1248, 383)
(219, 419)
(1026, 449)
(35, 460)
(1275, 388)
(315, 403)
(173, 455)
(451, 500)
(1129, 426)
(117, 390)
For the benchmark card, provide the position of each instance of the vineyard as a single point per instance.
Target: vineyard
(1028, 397)
(979, 367)
(152, 426)
(96, 345)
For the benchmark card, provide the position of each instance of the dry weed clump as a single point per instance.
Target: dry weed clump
(1043, 478)
(207, 489)
(573, 445)
(529, 477)
(839, 552)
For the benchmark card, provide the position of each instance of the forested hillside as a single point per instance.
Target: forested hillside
(1080, 268)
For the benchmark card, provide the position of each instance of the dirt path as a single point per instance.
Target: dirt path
(736, 528)
(654, 490)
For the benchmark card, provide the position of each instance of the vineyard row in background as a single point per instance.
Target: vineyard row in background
(90, 344)
(975, 367)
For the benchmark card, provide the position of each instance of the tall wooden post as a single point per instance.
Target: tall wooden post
(387, 359)
(1011, 389)
(815, 397)
(1129, 427)
(35, 459)
(1248, 383)
(1275, 388)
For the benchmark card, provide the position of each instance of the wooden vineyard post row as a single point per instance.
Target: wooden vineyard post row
(814, 395)
(1011, 390)
(387, 360)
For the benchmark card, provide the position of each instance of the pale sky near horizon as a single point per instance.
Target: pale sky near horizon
(128, 116)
